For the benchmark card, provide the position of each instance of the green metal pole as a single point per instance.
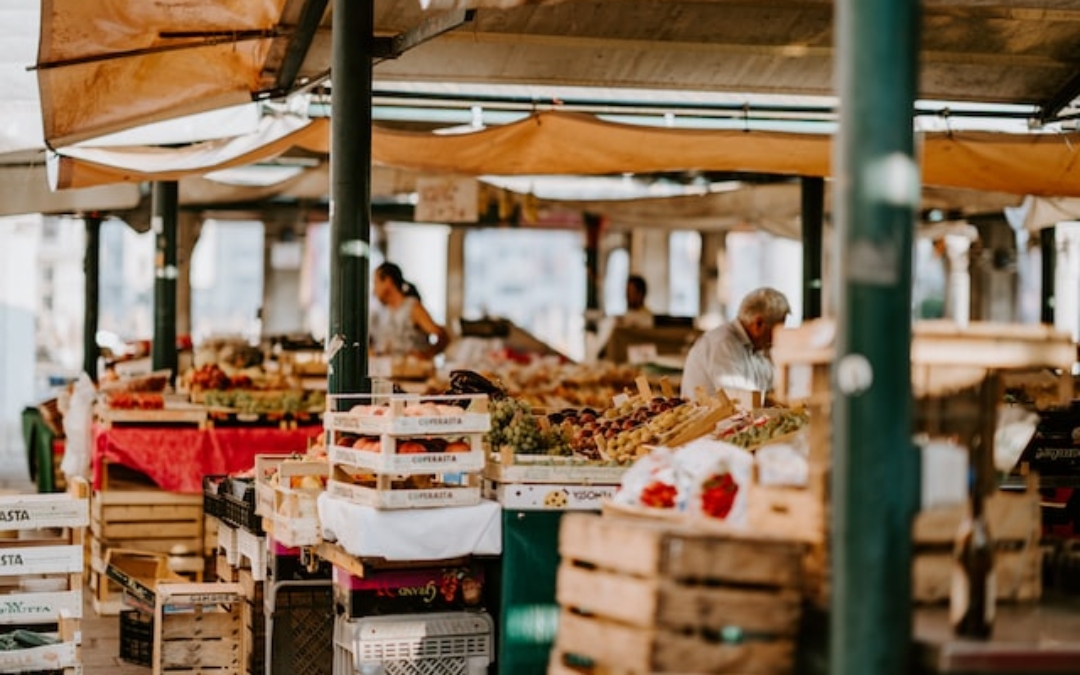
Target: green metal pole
(1048, 248)
(875, 465)
(91, 270)
(350, 193)
(813, 226)
(165, 206)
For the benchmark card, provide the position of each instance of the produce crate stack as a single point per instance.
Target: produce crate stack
(241, 540)
(41, 580)
(640, 596)
(193, 627)
(1015, 524)
(803, 358)
(144, 520)
(198, 629)
(253, 621)
(396, 452)
(287, 490)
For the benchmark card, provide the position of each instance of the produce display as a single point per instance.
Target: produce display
(20, 638)
(704, 477)
(403, 446)
(513, 424)
(266, 402)
(250, 391)
(126, 400)
(618, 434)
(750, 430)
(553, 384)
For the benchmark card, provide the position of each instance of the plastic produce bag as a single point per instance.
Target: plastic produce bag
(650, 481)
(784, 464)
(77, 429)
(713, 478)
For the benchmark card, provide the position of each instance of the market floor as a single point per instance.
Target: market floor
(101, 644)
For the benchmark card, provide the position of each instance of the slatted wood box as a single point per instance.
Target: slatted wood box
(648, 597)
(1014, 521)
(150, 520)
(41, 575)
(198, 629)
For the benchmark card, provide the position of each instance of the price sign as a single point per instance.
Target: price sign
(446, 199)
(643, 353)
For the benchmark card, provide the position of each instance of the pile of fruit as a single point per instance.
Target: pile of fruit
(513, 424)
(211, 377)
(403, 446)
(619, 434)
(132, 400)
(753, 430)
(266, 402)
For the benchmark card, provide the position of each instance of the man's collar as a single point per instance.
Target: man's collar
(744, 337)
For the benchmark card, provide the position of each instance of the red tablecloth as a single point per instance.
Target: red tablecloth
(177, 458)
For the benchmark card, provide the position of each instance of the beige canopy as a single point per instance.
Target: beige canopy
(573, 143)
(109, 64)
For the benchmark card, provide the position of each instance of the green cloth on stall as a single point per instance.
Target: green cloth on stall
(39, 439)
(528, 615)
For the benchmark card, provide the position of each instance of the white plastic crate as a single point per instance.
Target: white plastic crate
(450, 643)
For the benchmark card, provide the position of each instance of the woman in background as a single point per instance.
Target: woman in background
(403, 327)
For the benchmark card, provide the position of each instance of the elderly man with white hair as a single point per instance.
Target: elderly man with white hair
(736, 354)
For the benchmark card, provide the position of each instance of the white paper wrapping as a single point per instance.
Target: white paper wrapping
(413, 534)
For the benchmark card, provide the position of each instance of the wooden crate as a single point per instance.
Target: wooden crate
(381, 492)
(123, 515)
(1014, 521)
(253, 617)
(289, 508)
(151, 520)
(205, 637)
(41, 574)
(649, 597)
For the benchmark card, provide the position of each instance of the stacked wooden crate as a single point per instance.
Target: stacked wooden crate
(1015, 524)
(144, 520)
(253, 623)
(397, 452)
(205, 637)
(640, 596)
(287, 490)
(41, 565)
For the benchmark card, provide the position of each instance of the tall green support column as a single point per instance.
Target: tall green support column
(813, 228)
(1048, 249)
(875, 465)
(91, 270)
(350, 194)
(164, 207)
(593, 282)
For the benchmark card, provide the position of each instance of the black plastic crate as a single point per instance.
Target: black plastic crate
(213, 503)
(238, 495)
(137, 637)
(300, 628)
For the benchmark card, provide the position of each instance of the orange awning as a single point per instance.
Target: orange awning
(574, 143)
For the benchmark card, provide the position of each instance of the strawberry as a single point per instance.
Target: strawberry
(718, 495)
(658, 495)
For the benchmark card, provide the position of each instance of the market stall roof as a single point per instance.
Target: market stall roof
(573, 143)
(112, 64)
